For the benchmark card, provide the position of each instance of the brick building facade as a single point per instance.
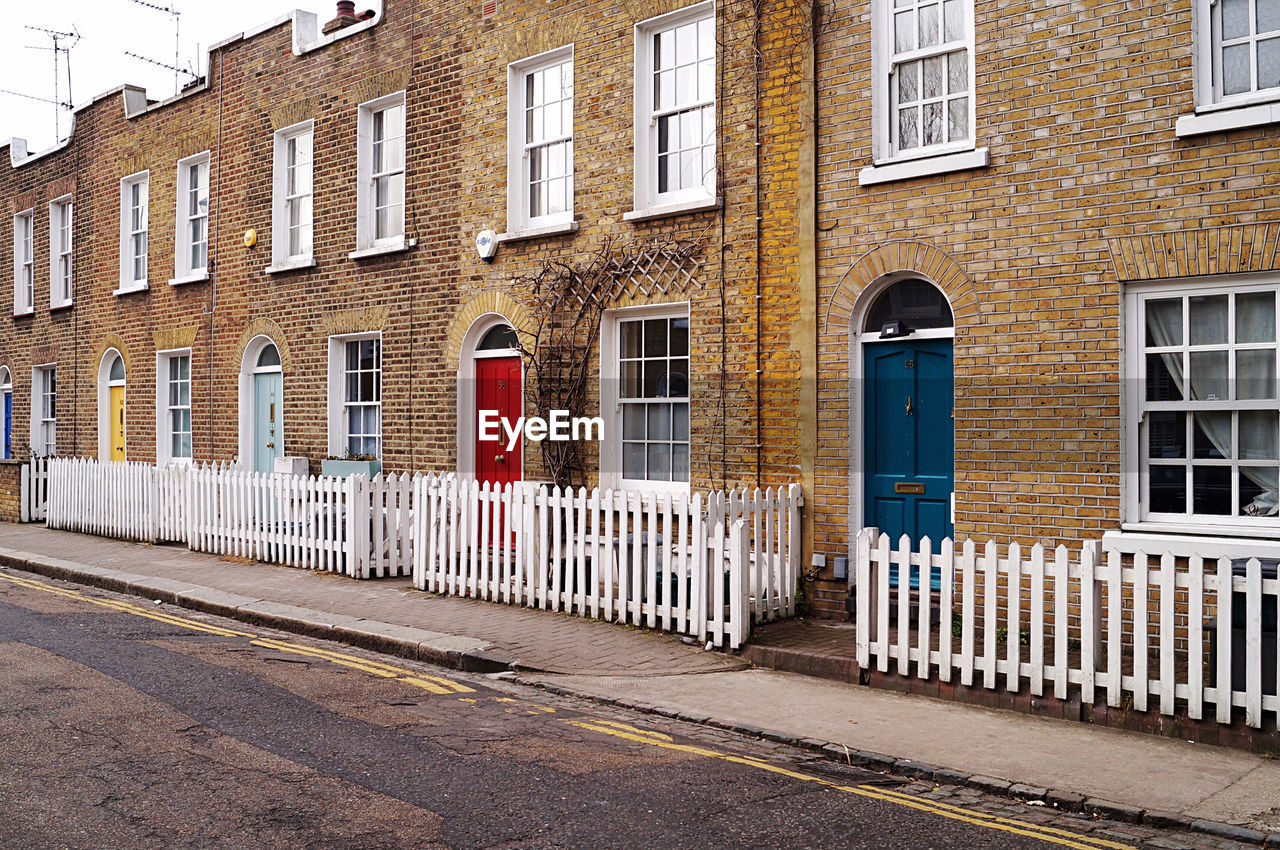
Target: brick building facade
(1115, 170)
(290, 122)
(1072, 229)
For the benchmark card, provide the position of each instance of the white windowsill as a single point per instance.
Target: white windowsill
(53, 308)
(1206, 541)
(131, 288)
(20, 313)
(538, 232)
(663, 210)
(290, 265)
(1228, 119)
(401, 244)
(194, 277)
(925, 167)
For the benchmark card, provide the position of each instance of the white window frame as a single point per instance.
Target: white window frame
(44, 421)
(1134, 405)
(164, 410)
(281, 199)
(883, 149)
(519, 217)
(24, 266)
(1208, 72)
(61, 252)
(183, 270)
(648, 200)
(367, 241)
(337, 391)
(129, 236)
(611, 471)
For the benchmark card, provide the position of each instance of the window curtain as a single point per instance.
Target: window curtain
(1164, 322)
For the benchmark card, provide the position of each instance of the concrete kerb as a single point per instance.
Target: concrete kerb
(1064, 800)
(453, 651)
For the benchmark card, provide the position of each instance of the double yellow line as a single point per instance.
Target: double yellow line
(431, 684)
(442, 686)
(1048, 834)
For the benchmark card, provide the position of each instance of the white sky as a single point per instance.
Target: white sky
(109, 28)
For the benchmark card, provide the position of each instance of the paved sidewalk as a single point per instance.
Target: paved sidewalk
(384, 614)
(1123, 774)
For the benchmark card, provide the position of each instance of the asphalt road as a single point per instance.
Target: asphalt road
(126, 724)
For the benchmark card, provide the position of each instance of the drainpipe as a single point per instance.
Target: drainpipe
(213, 260)
(759, 63)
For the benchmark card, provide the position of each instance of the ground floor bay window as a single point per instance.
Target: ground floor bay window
(1203, 364)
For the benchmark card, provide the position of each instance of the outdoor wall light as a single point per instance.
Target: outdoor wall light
(889, 330)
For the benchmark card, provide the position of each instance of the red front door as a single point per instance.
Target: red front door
(498, 388)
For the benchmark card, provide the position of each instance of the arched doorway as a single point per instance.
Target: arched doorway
(904, 430)
(111, 406)
(490, 381)
(261, 405)
(6, 389)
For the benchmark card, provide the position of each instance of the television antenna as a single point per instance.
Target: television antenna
(60, 46)
(171, 10)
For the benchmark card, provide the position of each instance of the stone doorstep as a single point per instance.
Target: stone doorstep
(1064, 800)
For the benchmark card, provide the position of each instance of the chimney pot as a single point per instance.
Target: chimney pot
(346, 8)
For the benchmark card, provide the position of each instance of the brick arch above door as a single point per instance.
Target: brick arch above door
(109, 342)
(905, 256)
(264, 327)
(485, 303)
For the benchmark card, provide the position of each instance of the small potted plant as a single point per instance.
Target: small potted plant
(350, 464)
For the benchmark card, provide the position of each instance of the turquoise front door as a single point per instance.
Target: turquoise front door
(908, 448)
(268, 416)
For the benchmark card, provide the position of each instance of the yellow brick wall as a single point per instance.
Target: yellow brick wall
(1088, 190)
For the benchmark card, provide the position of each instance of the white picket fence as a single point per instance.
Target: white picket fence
(34, 490)
(703, 565)
(1136, 627)
(293, 520)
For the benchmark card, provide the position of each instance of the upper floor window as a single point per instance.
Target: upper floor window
(292, 190)
(1244, 48)
(134, 196)
(355, 395)
(1209, 420)
(926, 77)
(646, 386)
(60, 284)
(380, 167)
(24, 288)
(675, 136)
(191, 243)
(540, 141)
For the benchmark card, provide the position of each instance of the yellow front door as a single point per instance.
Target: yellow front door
(117, 423)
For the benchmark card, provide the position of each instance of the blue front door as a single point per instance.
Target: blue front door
(268, 415)
(908, 449)
(8, 426)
